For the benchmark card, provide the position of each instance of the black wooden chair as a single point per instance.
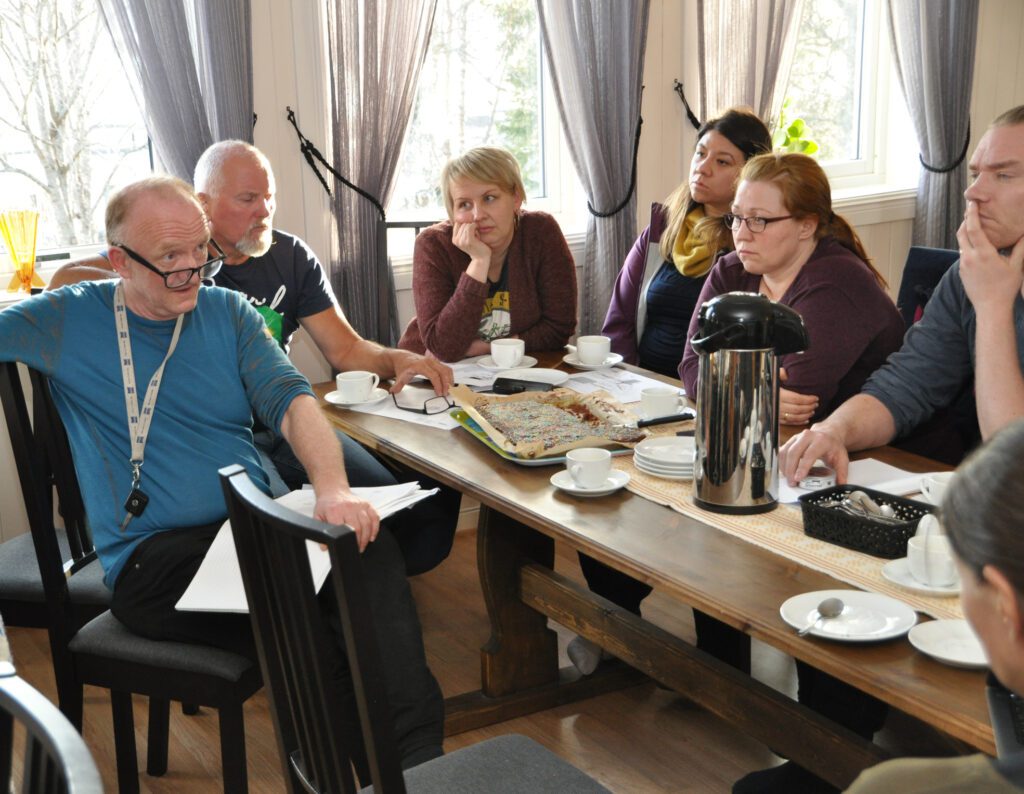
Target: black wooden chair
(289, 631)
(22, 600)
(55, 757)
(922, 272)
(103, 652)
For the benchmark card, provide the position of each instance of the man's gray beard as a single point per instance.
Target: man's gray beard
(257, 247)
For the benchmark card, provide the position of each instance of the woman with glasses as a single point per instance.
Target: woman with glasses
(981, 516)
(493, 270)
(791, 247)
(657, 288)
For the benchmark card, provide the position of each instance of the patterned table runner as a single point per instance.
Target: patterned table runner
(782, 532)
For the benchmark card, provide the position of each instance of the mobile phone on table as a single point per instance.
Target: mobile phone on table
(517, 386)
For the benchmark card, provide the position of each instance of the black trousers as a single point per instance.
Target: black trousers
(161, 567)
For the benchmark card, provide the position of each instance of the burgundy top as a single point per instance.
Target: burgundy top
(449, 304)
(852, 323)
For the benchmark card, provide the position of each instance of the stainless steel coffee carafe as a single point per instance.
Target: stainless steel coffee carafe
(740, 336)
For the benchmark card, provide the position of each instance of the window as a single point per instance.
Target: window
(70, 129)
(483, 83)
(843, 86)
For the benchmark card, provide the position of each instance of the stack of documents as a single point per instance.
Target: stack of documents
(217, 585)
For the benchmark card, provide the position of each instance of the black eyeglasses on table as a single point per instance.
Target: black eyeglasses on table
(434, 405)
(174, 279)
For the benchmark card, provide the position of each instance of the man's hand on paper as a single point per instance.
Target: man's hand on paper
(344, 507)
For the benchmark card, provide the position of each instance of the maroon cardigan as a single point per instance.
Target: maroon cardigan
(449, 304)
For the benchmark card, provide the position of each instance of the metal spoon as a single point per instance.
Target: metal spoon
(827, 609)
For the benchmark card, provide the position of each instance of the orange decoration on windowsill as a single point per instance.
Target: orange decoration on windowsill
(18, 228)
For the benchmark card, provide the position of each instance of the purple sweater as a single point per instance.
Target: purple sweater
(852, 323)
(449, 304)
(623, 323)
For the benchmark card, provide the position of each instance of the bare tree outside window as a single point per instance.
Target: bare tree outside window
(480, 85)
(70, 129)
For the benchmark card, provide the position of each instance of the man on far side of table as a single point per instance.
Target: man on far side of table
(973, 325)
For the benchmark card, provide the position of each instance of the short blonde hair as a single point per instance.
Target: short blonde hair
(487, 164)
(121, 203)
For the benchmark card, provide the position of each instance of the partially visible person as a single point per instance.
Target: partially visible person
(972, 327)
(655, 295)
(981, 515)
(157, 380)
(792, 248)
(283, 280)
(657, 288)
(492, 270)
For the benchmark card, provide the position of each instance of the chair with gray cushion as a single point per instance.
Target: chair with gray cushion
(22, 601)
(289, 630)
(103, 652)
(55, 759)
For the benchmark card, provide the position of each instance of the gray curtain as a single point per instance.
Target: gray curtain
(933, 46)
(745, 50)
(595, 49)
(192, 60)
(377, 48)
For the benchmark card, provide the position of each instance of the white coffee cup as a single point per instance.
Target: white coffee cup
(930, 560)
(589, 467)
(593, 350)
(507, 352)
(356, 386)
(658, 401)
(933, 486)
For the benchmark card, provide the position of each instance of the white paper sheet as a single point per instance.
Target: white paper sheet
(870, 473)
(412, 396)
(217, 585)
(623, 385)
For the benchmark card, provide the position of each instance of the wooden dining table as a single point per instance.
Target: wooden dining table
(686, 558)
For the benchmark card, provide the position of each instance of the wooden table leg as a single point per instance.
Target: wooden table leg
(522, 651)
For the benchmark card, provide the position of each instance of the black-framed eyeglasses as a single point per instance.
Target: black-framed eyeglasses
(175, 279)
(754, 223)
(434, 405)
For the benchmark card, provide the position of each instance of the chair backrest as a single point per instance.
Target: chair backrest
(290, 634)
(33, 448)
(55, 757)
(922, 272)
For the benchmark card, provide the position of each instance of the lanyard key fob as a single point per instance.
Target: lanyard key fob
(136, 502)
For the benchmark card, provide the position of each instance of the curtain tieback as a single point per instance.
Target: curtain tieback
(960, 159)
(678, 88)
(632, 178)
(312, 154)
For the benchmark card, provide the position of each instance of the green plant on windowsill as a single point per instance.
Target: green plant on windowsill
(790, 136)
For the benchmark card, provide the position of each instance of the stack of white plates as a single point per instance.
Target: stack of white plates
(669, 457)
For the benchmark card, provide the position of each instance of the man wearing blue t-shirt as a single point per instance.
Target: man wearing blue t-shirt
(157, 380)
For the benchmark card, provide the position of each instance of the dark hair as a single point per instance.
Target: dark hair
(981, 507)
(806, 193)
(746, 132)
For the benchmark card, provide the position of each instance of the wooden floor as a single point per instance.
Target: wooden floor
(642, 739)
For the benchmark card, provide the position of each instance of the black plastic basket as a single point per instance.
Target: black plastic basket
(877, 538)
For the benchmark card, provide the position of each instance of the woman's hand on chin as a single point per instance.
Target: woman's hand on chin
(466, 239)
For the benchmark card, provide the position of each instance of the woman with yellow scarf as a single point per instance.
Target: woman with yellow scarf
(657, 288)
(655, 295)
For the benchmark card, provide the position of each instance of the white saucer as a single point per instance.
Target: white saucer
(898, 572)
(540, 375)
(950, 641)
(610, 361)
(866, 617)
(563, 481)
(488, 363)
(376, 396)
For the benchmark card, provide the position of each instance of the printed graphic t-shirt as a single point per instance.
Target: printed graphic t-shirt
(496, 319)
(284, 285)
